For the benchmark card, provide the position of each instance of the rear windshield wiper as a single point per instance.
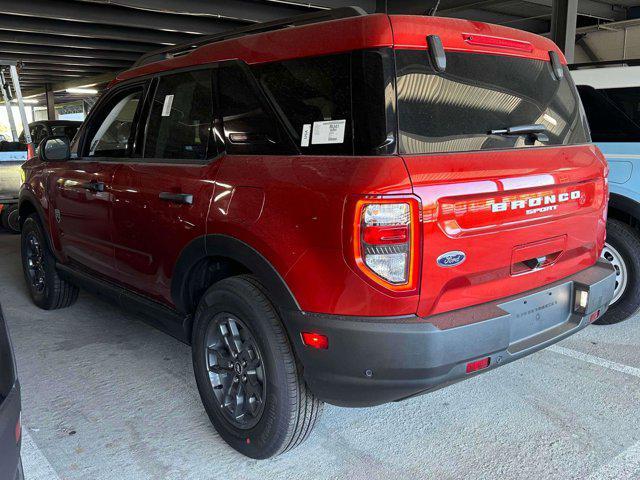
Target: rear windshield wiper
(533, 132)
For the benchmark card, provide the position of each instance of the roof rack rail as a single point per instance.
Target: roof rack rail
(629, 62)
(305, 19)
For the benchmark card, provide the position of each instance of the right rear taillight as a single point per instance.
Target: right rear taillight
(385, 242)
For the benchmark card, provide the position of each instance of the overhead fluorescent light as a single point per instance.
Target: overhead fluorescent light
(83, 91)
(30, 101)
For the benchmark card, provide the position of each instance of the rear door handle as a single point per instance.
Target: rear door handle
(183, 198)
(94, 186)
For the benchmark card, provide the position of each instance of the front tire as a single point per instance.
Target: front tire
(48, 291)
(623, 251)
(246, 372)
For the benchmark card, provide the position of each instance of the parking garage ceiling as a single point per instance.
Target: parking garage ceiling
(67, 43)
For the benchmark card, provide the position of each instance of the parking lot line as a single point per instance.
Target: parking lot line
(36, 465)
(624, 466)
(585, 357)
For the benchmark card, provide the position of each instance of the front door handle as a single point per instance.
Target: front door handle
(183, 198)
(94, 186)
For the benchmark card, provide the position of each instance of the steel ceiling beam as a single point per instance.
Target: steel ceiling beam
(72, 42)
(118, 16)
(63, 68)
(81, 82)
(65, 29)
(19, 49)
(234, 9)
(52, 60)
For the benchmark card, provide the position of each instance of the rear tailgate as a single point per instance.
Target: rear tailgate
(522, 222)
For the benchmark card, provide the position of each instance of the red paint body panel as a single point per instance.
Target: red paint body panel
(299, 229)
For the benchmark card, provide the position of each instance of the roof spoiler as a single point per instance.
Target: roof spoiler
(306, 19)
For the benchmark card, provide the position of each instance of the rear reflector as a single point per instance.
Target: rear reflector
(497, 42)
(19, 430)
(315, 340)
(478, 365)
(594, 316)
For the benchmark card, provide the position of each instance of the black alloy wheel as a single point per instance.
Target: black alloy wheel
(236, 370)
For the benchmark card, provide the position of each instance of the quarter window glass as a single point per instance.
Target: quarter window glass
(249, 127)
(181, 116)
(456, 110)
(310, 93)
(113, 135)
(614, 113)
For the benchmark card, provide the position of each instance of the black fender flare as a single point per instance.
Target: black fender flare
(27, 196)
(216, 245)
(625, 204)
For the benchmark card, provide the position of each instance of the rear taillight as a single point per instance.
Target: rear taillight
(385, 242)
(31, 151)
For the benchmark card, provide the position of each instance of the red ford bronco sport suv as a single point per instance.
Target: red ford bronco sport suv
(341, 208)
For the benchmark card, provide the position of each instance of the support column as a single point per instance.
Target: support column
(564, 15)
(51, 104)
(7, 103)
(18, 92)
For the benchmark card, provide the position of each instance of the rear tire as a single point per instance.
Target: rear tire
(48, 291)
(288, 411)
(9, 218)
(623, 251)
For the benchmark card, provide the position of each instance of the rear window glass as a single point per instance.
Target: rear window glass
(456, 110)
(613, 113)
(311, 91)
(68, 131)
(336, 104)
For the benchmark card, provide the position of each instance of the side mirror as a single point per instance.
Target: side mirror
(54, 149)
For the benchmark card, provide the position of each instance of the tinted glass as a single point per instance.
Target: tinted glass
(249, 126)
(181, 117)
(313, 96)
(456, 110)
(68, 131)
(613, 114)
(113, 135)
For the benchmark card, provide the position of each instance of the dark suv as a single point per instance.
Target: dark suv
(340, 207)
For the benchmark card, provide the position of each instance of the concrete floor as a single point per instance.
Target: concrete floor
(106, 396)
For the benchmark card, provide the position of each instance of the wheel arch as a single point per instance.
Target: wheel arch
(228, 256)
(29, 204)
(624, 209)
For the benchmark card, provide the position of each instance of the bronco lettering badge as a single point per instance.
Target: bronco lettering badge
(451, 259)
(543, 203)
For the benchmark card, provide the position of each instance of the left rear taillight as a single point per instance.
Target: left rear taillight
(31, 151)
(386, 245)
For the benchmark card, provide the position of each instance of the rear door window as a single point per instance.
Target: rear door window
(181, 117)
(456, 110)
(250, 128)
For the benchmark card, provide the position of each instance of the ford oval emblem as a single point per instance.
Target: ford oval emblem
(451, 259)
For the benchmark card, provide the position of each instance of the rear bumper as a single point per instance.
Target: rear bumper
(371, 361)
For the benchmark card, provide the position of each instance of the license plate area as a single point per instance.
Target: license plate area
(537, 313)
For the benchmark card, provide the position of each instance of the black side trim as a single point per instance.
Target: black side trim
(154, 313)
(234, 249)
(625, 204)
